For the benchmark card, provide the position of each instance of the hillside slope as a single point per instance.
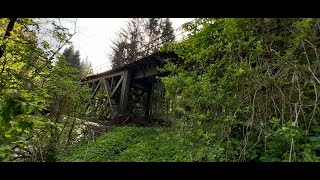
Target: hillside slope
(139, 144)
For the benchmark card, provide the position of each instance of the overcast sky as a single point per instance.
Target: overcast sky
(94, 35)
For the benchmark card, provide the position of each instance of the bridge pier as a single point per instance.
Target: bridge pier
(148, 101)
(125, 92)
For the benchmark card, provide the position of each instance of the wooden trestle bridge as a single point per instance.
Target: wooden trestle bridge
(130, 89)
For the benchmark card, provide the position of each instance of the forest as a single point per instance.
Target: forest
(237, 90)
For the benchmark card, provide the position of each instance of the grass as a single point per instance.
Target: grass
(139, 144)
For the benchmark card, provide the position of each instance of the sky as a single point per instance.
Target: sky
(93, 37)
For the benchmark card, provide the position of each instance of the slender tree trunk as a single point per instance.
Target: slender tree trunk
(7, 34)
(64, 125)
(71, 129)
(58, 112)
(172, 100)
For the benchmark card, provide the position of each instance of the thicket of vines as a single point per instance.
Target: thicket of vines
(251, 87)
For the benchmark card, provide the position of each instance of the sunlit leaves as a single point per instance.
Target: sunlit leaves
(25, 78)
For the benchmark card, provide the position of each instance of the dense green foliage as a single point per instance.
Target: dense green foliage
(74, 60)
(72, 56)
(31, 86)
(255, 81)
(143, 144)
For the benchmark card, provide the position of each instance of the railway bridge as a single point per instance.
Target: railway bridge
(130, 89)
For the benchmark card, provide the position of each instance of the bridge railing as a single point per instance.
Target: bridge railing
(101, 68)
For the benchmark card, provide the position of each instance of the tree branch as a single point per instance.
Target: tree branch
(67, 41)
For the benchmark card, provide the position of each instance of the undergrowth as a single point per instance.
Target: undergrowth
(141, 144)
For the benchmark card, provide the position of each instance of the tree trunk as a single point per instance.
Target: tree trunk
(7, 34)
(71, 129)
(65, 124)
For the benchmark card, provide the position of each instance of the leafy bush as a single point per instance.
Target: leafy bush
(31, 85)
(251, 79)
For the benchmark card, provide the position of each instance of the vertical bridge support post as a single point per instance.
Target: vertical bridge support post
(149, 100)
(125, 92)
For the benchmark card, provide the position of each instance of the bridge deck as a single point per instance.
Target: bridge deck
(144, 63)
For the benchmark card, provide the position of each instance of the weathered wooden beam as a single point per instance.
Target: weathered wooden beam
(108, 96)
(139, 86)
(125, 92)
(138, 98)
(111, 81)
(93, 107)
(107, 76)
(108, 85)
(118, 84)
(95, 90)
(91, 96)
(150, 100)
(146, 73)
